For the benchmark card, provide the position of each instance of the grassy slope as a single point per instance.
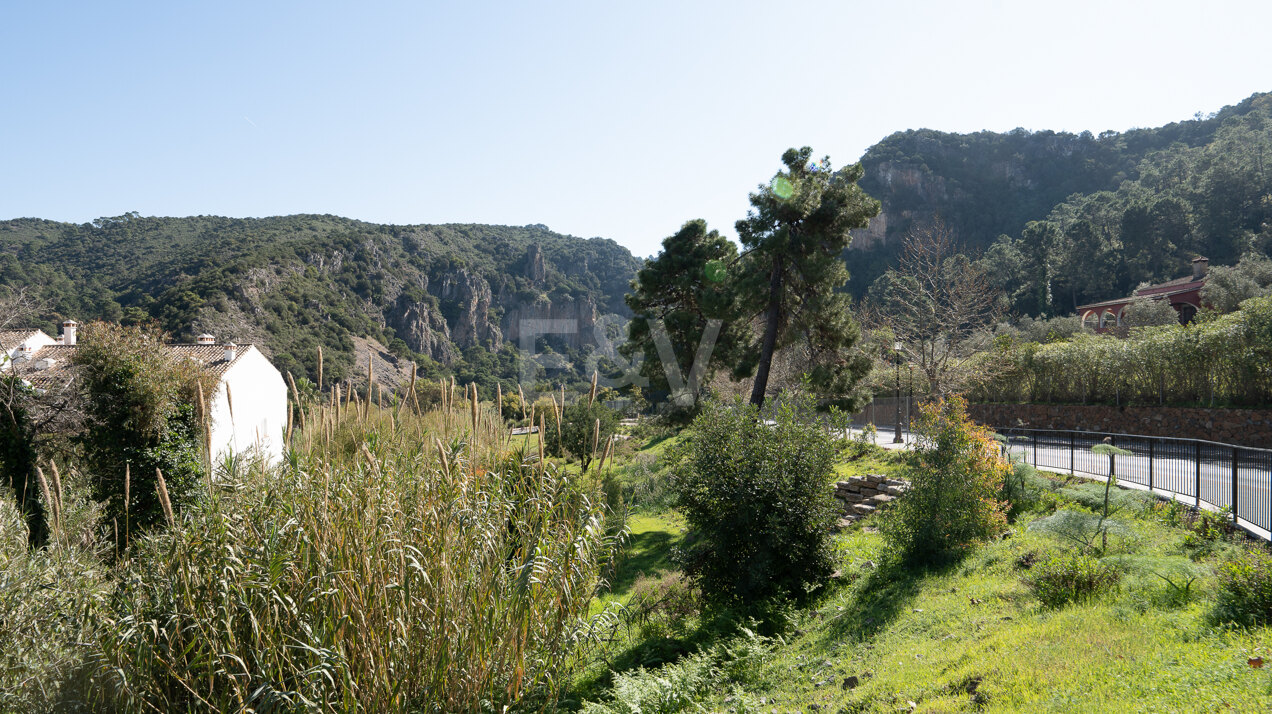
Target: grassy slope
(972, 637)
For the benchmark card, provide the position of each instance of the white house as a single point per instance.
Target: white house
(25, 342)
(248, 408)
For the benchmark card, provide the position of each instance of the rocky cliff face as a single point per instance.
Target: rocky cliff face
(578, 318)
(897, 186)
(474, 315)
(472, 327)
(423, 329)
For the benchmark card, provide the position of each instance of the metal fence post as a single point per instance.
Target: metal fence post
(1150, 464)
(1235, 482)
(1035, 441)
(1073, 448)
(1197, 463)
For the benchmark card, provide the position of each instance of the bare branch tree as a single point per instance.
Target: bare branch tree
(935, 301)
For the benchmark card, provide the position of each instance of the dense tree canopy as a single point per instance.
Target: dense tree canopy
(792, 271)
(685, 295)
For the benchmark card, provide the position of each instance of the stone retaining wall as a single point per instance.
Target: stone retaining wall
(863, 495)
(1244, 427)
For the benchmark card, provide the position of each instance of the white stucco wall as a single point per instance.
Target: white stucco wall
(36, 341)
(259, 418)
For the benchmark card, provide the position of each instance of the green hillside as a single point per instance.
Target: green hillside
(450, 297)
(1116, 208)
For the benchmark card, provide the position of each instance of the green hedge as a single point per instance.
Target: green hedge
(1223, 361)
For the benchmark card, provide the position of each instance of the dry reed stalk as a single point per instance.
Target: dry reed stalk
(596, 438)
(229, 401)
(609, 445)
(521, 393)
(161, 487)
(335, 396)
(499, 399)
(414, 400)
(320, 369)
(558, 411)
(289, 424)
(370, 382)
(541, 424)
(450, 404)
(591, 397)
(441, 454)
(57, 485)
(205, 428)
(127, 498)
(48, 500)
(296, 398)
(472, 388)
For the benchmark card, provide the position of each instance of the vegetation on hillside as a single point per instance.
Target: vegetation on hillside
(1061, 220)
(437, 295)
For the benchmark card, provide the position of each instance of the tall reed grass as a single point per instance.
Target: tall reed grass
(395, 562)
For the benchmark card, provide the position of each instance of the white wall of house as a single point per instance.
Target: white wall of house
(35, 342)
(259, 418)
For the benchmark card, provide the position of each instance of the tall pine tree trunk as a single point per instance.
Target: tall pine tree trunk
(773, 317)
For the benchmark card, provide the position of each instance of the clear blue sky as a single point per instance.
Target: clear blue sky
(596, 118)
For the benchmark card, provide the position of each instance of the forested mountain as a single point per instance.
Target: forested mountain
(1063, 219)
(451, 297)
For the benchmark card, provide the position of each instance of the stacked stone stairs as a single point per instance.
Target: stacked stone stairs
(863, 495)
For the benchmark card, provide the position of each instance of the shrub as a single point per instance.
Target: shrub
(758, 499)
(1244, 594)
(139, 408)
(1023, 489)
(578, 435)
(1072, 577)
(663, 605)
(955, 478)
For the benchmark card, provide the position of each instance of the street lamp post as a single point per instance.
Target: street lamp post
(896, 439)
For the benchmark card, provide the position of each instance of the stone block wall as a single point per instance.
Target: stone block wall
(1244, 427)
(863, 495)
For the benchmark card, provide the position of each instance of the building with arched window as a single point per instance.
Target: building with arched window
(1184, 294)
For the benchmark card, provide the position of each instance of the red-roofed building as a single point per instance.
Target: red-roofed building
(1184, 294)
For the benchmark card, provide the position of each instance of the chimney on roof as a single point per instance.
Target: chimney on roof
(231, 351)
(25, 352)
(68, 332)
(205, 339)
(1201, 265)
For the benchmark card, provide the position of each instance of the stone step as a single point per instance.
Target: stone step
(879, 500)
(863, 509)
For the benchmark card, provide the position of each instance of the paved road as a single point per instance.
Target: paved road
(1171, 474)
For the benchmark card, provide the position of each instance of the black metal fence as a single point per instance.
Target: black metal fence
(1238, 478)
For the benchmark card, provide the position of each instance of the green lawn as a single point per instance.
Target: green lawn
(972, 636)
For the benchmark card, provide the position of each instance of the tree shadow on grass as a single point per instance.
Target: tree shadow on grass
(645, 554)
(879, 597)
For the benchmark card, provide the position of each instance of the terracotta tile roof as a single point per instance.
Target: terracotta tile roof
(46, 377)
(1166, 289)
(212, 357)
(12, 338)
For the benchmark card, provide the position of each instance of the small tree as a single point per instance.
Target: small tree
(580, 435)
(758, 499)
(140, 406)
(936, 301)
(955, 474)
